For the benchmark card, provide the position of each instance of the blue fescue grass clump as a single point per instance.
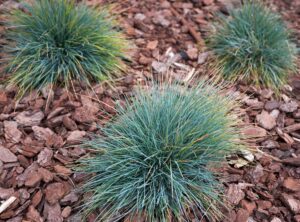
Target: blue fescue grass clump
(155, 159)
(57, 41)
(253, 45)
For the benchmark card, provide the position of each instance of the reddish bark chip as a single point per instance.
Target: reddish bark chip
(291, 184)
(242, 215)
(6, 156)
(54, 192)
(33, 215)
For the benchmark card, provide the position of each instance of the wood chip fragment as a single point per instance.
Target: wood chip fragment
(192, 31)
(292, 128)
(7, 203)
(286, 137)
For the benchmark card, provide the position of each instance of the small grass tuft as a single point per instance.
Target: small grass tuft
(57, 41)
(253, 45)
(155, 159)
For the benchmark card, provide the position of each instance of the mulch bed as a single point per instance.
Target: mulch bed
(39, 135)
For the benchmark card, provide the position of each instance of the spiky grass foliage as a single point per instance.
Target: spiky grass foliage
(155, 158)
(57, 41)
(254, 45)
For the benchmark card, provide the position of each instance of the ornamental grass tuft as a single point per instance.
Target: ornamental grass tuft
(157, 159)
(253, 45)
(57, 41)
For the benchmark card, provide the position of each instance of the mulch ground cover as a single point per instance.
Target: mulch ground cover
(40, 134)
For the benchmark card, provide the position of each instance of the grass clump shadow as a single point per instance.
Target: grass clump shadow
(253, 45)
(57, 41)
(155, 159)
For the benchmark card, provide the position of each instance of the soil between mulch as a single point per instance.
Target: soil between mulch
(39, 138)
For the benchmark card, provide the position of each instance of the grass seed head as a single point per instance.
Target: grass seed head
(253, 45)
(157, 154)
(57, 41)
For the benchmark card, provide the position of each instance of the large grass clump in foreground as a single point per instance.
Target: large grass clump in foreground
(253, 45)
(155, 159)
(57, 41)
